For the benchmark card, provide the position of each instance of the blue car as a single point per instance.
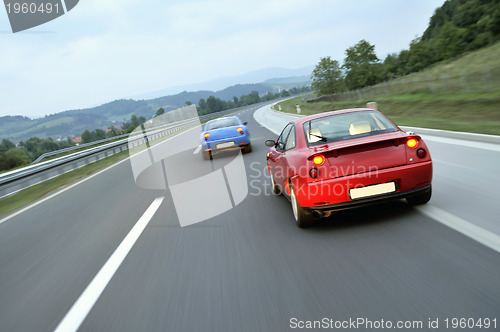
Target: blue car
(224, 134)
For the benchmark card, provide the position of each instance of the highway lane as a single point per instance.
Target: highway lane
(247, 269)
(50, 253)
(466, 182)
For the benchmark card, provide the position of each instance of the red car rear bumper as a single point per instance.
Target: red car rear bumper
(334, 194)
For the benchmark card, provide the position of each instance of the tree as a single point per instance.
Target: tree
(268, 96)
(361, 53)
(134, 121)
(14, 158)
(253, 98)
(363, 75)
(32, 144)
(420, 56)
(391, 66)
(160, 111)
(361, 65)
(450, 42)
(403, 57)
(285, 93)
(47, 145)
(99, 134)
(215, 105)
(326, 76)
(6, 145)
(87, 137)
(112, 132)
(202, 104)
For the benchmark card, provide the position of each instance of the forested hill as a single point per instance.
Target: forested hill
(470, 24)
(194, 97)
(458, 26)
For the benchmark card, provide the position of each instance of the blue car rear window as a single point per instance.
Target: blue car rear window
(221, 123)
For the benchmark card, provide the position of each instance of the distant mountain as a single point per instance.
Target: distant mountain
(180, 99)
(73, 122)
(289, 80)
(256, 76)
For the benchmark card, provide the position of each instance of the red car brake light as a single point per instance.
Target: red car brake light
(412, 143)
(319, 160)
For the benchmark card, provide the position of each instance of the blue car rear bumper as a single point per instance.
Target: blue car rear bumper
(225, 144)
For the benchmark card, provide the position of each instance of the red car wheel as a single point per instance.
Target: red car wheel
(302, 218)
(274, 185)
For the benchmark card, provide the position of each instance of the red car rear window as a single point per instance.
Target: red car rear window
(346, 126)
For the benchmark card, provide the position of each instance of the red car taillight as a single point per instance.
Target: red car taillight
(421, 153)
(314, 173)
(319, 160)
(417, 148)
(412, 143)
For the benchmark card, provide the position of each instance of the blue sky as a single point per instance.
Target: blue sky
(104, 50)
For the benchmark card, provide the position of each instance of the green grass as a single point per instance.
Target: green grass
(449, 113)
(461, 95)
(38, 191)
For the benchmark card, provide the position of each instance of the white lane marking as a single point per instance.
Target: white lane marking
(197, 150)
(80, 309)
(470, 144)
(60, 192)
(477, 233)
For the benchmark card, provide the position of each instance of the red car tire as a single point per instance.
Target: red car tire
(302, 218)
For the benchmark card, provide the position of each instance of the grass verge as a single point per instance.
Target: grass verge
(476, 114)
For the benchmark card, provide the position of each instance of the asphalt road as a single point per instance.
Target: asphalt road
(250, 268)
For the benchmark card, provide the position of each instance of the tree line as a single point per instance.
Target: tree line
(456, 27)
(12, 156)
(24, 153)
(213, 104)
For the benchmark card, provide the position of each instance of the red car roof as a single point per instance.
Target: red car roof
(301, 120)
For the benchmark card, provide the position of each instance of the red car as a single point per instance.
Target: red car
(344, 159)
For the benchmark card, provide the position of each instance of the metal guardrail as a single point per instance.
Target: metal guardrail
(13, 181)
(78, 147)
(73, 148)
